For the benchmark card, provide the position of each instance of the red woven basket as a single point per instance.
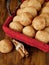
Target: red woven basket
(21, 37)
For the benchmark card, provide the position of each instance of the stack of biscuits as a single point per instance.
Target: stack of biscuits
(32, 19)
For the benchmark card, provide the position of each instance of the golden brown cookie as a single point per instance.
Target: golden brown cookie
(5, 46)
(38, 23)
(16, 26)
(42, 36)
(29, 31)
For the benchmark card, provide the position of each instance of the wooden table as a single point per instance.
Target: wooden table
(36, 56)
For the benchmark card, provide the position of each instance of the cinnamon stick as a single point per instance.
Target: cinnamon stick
(20, 48)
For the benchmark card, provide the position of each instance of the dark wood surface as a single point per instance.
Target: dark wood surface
(36, 56)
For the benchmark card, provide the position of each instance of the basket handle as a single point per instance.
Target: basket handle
(8, 6)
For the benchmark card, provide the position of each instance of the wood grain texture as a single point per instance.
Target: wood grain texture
(36, 57)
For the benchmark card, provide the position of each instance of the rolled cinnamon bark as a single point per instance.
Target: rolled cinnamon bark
(20, 48)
